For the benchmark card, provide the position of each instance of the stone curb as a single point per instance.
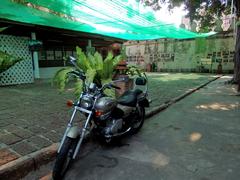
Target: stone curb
(19, 168)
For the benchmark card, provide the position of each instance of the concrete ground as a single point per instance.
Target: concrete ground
(34, 116)
(198, 138)
(165, 86)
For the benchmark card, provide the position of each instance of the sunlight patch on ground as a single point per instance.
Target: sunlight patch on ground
(157, 74)
(189, 89)
(174, 77)
(160, 160)
(215, 76)
(218, 106)
(195, 136)
(145, 154)
(227, 77)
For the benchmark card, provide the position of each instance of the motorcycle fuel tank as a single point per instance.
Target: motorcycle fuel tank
(105, 104)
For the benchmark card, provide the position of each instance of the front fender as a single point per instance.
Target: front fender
(73, 132)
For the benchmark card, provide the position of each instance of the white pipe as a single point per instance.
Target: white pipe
(35, 59)
(232, 8)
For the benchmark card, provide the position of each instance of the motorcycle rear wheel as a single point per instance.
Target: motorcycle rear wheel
(138, 122)
(64, 158)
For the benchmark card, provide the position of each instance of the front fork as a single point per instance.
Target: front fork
(69, 127)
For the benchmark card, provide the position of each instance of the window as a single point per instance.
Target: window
(58, 55)
(42, 55)
(50, 55)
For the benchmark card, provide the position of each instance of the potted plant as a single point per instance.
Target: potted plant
(128, 72)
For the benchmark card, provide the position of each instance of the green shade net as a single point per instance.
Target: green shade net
(116, 18)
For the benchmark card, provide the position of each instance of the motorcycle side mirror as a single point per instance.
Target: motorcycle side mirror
(73, 60)
(140, 81)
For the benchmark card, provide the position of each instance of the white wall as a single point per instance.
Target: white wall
(48, 72)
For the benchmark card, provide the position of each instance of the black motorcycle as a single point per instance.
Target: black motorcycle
(105, 116)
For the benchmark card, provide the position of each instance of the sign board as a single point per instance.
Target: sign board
(206, 61)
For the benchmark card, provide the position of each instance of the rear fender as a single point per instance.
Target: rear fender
(144, 102)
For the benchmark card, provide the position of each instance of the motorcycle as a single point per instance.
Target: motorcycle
(106, 117)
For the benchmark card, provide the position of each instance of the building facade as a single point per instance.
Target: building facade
(191, 55)
(49, 55)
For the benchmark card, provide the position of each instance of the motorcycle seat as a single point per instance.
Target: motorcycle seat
(129, 98)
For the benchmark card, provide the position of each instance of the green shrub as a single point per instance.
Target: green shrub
(95, 68)
(7, 61)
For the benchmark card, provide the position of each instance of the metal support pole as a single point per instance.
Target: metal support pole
(89, 43)
(35, 59)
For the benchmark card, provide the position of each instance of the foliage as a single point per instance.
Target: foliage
(95, 68)
(205, 11)
(45, 9)
(123, 52)
(201, 45)
(7, 60)
(61, 77)
(134, 70)
(3, 28)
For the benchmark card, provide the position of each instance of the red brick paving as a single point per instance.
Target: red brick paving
(6, 156)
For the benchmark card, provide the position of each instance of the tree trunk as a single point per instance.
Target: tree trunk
(236, 77)
(237, 57)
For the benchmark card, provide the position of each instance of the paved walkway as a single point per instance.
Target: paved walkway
(198, 138)
(31, 117)
(34, 116)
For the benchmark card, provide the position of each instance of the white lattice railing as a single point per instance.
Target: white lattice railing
(22, 72)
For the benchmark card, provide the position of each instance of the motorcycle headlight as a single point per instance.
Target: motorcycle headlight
(86, 102)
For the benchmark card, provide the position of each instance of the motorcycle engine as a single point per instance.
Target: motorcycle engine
(113, 126)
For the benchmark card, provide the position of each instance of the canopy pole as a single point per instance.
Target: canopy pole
(89, 43)
(35, 59)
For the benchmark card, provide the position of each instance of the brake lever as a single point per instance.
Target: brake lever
(73, 73)
(78, 74)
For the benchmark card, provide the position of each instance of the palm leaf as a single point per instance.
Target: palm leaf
(109, 92)
(95, 69)
(61, 78)
(99, 61)
(7, 61)
(78, 87)
(82, 61)
(90, 75)
(91, 60)
(116, 60)
(107, 66)
(3, 28)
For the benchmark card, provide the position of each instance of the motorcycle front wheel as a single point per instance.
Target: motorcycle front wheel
(139, 120)
(64, 158)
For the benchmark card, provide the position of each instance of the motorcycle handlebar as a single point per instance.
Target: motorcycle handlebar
(116, 87)
(111, 85)
(78, 74)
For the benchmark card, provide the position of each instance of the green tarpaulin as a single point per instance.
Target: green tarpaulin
(105, 17)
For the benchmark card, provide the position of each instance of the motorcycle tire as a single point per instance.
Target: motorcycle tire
(140, 120)
(64, 158)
